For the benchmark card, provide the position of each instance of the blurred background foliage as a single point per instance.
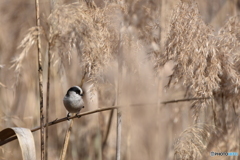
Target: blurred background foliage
(141, 29)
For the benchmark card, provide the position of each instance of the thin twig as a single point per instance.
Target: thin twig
(56, 121)
(40, 78)
(83, 78)
(183, 100)
(61, 120)
(169, 81)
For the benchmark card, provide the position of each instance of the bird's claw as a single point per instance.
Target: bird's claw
(77, 115)
(68, 115)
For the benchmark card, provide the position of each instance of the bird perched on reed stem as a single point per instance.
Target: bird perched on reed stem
(73, 100)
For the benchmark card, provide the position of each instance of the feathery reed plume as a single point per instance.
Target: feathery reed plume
(141, 28)
(29, 40)
(206, 63)
(203, 60)
(85, 30)
(193, 142)
(190, 45)
(227, 45)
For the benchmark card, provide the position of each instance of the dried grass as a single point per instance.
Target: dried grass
(29, 40)
(92, 38)
(88, 31)
(206, 63)
(203, 59)
(193, 142)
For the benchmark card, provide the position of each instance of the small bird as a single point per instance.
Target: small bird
(73, 100)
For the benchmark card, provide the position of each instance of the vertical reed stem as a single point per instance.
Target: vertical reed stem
(119, 130)
(40, 78)
(119, 114)
(48, 95)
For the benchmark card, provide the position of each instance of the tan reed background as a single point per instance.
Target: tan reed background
(153, 50)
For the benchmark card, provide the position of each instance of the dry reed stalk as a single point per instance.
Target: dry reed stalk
(48, 98)
(40, 74)
(66, 141)
(119, 134)
(118, 91)
(119, 114)
(52, 5)
(108, 130)
(99, 137)
(129, 138)
(159, 85)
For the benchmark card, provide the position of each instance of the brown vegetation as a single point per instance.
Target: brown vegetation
(132, 54)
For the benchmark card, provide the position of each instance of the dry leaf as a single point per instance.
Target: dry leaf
(25, 139)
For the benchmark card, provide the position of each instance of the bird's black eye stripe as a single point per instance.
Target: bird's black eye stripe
(75, 89)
